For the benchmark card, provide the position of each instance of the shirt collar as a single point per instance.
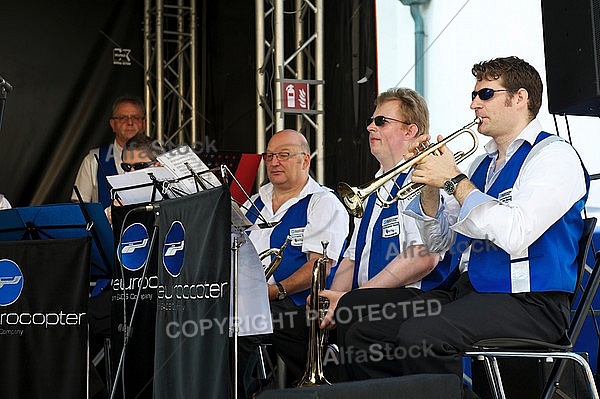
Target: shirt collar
(529, 134)
(311, 186)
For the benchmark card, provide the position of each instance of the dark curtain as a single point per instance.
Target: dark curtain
(351, 56)
(59, 58)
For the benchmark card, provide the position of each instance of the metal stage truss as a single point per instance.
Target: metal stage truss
(174, 114)
(289, 74)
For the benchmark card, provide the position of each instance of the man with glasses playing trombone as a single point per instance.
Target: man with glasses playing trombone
(294, 205)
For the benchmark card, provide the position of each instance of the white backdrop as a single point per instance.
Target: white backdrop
(459, 33)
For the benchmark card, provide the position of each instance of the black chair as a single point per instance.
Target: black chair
(490, 349)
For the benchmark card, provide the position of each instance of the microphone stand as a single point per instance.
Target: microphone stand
(129, 327)
(235, 248)
(5, 87)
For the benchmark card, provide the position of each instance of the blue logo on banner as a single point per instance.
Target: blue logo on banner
(11, 282)
(134, 247)
(173, 249)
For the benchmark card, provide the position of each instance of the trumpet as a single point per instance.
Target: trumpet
(317, 338)
(354, 197)
(278, 252)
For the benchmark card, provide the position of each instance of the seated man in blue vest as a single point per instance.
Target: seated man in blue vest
(306, 212)
(128, 119)
(386, 249)
(515, 221)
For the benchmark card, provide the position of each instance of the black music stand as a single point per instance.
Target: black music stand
(69, 220)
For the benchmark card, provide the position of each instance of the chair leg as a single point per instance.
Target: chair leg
(495, 379)
(261, 369)
(107, 363)
(589, 376)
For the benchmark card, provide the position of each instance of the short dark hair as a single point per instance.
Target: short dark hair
(130, 99)
(141, 142)
(516, 74)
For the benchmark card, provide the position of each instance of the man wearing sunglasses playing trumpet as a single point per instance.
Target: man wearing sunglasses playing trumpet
(505, 218)
(386, 249)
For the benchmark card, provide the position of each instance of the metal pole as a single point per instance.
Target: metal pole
(260, 84)
(193, 74)
(320, 90)
(148, 64)
(159, 70)
(279, 66)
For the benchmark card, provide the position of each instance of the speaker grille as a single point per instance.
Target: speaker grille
(571, 38)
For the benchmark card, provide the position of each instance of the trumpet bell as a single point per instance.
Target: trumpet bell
(351, 199)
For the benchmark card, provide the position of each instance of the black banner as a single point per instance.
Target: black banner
(132, 278)
(192, 321)
(43, 318)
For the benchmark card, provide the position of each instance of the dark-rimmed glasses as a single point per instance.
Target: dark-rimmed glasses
(281, 156)
(137, 166)
(486, 93)
(126, 118)
(381, 120)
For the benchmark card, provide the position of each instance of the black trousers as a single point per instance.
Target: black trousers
(428, 332)
(289, 339)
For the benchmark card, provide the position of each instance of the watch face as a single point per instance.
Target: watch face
(449, 187)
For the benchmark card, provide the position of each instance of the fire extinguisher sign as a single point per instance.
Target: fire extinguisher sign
(295, 96)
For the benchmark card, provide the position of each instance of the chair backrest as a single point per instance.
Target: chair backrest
(586, 289)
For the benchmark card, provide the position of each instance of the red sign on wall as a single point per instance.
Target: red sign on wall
(295, 96)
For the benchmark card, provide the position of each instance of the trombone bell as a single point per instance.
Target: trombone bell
(351, 199)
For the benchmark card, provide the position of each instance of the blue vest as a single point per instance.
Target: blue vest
(106, 166)
(550, 262)
(293, 257)
(382, 247)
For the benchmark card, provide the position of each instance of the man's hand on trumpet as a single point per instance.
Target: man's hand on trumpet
(328, 322)
(438, 171)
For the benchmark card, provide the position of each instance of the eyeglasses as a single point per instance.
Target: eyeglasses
(126, 118)
(486, 93)
(281, 156)
(137, 166)
(381, 120)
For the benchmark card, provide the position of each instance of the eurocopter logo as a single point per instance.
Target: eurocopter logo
(173, 249)
(134, 247)
(11, 282)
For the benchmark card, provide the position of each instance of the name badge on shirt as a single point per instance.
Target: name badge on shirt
(505, 196)
(390, 227)
(297, 236)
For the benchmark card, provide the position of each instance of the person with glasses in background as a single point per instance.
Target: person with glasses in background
(139, 152)
(293, 204)
(386, 249)
(505, 219)
(128, 119)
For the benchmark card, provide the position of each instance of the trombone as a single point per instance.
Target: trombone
(274, 264)
(354, 198)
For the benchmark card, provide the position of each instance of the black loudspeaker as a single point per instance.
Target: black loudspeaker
(418, 386)
(525, 378)
(572, 50)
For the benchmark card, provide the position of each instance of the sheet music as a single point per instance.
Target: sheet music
(123, 184)
(177, 161)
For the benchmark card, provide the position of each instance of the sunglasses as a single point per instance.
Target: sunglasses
(382, 120)
(136, 166)
(486, 93)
